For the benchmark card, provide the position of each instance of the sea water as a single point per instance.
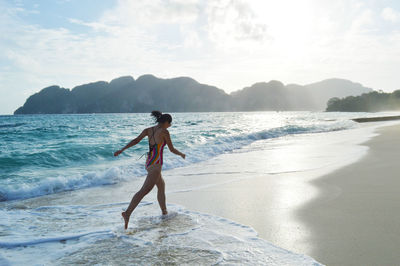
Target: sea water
(46, 154)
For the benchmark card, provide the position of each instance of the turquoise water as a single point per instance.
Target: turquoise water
(44, 154)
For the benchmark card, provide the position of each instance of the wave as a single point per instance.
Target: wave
(31, 242)
(136, 169)
(60, 184)
(54, 156)
(12, 125)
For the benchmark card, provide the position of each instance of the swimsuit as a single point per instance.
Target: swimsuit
(155, 154)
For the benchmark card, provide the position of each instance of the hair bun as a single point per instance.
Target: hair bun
(156, 114)
(160, 117)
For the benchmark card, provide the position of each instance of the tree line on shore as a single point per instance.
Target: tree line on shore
(374, 101)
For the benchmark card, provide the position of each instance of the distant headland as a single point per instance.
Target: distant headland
(184, 94)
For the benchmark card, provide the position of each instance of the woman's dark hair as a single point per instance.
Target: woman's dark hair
(160, 117)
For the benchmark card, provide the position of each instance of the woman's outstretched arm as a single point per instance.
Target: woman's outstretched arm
(132, 142)
(171, 146)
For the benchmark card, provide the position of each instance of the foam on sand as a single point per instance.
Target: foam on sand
(70, 235)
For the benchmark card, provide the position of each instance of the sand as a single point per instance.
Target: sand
(347, 217)
(376, 119)
(360, 224)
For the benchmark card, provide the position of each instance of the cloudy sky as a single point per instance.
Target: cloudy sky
(227, 43)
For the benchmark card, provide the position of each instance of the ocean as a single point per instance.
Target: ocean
(48, 155)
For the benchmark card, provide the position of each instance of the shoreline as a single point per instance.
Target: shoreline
(354, 218)
(376, 119)
(268, 201)
(271, 202)
(235, 186)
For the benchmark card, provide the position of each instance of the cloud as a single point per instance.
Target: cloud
(97, 26)
(233, 21)
(363, 22)
(389, 14)
(228, 43)
(149, 12)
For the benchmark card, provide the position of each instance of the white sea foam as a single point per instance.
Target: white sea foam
(61, 183)
(186, 237)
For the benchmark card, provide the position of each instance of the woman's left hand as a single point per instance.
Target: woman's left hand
(117, 153)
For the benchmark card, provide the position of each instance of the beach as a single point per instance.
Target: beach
(347, 217)
(61, 199)
(360, 224)
(275, 197)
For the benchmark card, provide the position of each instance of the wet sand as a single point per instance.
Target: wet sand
(269, 201)
(348, 216)
(355, 218)
(376, 119)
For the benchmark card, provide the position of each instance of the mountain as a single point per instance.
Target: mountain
(321, 92)
(124, 95)
(261, 96)
(274, 95)
(367, 102)
(183, 94)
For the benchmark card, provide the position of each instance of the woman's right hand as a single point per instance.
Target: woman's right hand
(117, 153)
(183, 156)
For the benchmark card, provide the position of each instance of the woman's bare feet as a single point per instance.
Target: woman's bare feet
(126, 219)
(164, 212)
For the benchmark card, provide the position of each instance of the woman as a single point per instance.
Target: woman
(158, 136)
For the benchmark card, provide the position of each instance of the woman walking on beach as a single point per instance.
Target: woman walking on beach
(158, 137)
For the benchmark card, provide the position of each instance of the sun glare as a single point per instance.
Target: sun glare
(289, 23)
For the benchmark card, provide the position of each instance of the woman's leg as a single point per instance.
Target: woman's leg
(151, 179)
(161, 194)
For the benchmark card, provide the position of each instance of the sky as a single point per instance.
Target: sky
(230, 44)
